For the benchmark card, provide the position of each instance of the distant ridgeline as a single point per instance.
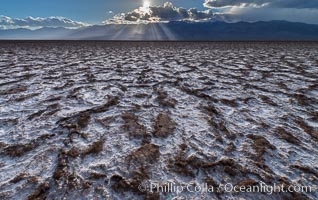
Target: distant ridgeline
(214, 31)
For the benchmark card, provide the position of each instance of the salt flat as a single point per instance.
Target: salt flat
(94, 120)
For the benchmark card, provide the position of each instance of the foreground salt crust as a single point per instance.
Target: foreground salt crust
(88, 120)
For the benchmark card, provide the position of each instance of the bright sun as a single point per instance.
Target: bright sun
(145, 6)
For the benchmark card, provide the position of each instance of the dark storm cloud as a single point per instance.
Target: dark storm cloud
(263, 3)
(39, 22)
(265, 10)
(167, 12)
(250, 14)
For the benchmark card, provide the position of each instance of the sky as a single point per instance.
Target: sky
(77, 13)
(90, 11)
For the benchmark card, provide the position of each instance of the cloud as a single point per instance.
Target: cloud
(262, 3)
(266, 10)
(38, 22)
(167, 12)
(266, 14)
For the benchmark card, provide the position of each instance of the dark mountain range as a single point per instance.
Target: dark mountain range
(217, 30)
